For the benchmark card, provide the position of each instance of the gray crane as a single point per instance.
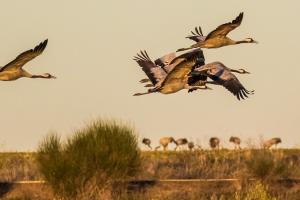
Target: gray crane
(236, 141)
(180, 142)
(147, 142)
(218, 37)
(177, 79)
(164, 142)
(269, 143)
(214, 143)
(165, 63)
(222, 75)
(13, 70)
(191, 145)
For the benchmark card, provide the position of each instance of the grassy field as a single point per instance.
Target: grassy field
(274, 169)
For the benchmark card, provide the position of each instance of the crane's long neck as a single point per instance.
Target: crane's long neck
(39, 76)
(236, 71)
(243, 41)
(28, 75)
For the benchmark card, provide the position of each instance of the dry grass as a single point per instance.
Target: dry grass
(220, 164)
(264, 165)
(18, 166)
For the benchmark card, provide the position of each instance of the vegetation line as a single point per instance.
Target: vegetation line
(165, 180)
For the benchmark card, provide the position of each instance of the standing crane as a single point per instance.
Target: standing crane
(191, 145)
(164, 142)
(236, 141)
(269, 143)
(181, 142)
(214, 143)
(147, 142)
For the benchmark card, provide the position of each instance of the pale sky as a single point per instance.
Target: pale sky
(90, 50)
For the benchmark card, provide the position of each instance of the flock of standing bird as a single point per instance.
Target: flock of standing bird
(172, 73)
(214, 143)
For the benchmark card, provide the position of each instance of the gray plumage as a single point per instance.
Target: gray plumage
(269, 143)
(236, 141)
(165, 61)
(164, 142)
(191, 145)
(197, 36)
(175, 80)
(222, 75)
(214, 143)
(147, 142)
(180, 142)
(14, 70)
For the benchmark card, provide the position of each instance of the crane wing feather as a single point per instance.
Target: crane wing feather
(196, 36)
(223, 76)
(236, 88)
(165, 61)
(224, 29)
(154, 72)
(184, 64)
(25, 57)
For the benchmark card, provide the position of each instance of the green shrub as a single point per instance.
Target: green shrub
(100, 156)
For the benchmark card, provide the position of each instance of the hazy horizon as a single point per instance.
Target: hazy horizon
(90, 50)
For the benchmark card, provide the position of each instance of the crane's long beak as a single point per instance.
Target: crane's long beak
(254, 41)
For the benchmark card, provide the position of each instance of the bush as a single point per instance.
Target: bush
(267, 165)
(100, 156)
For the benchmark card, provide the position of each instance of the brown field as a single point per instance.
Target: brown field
(277, 170)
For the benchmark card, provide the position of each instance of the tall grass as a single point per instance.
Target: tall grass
(91, 161)
(266, 165)
(257, 191)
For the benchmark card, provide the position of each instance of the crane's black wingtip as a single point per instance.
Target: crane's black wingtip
(45, 42)
(181, 49)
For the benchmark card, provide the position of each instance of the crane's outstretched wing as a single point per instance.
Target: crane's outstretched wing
(25, 57)
(184, 64)
(154, 72)
(224, 29)
(196, 36)
(223, 76)
(165, 61)
(236, 88)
